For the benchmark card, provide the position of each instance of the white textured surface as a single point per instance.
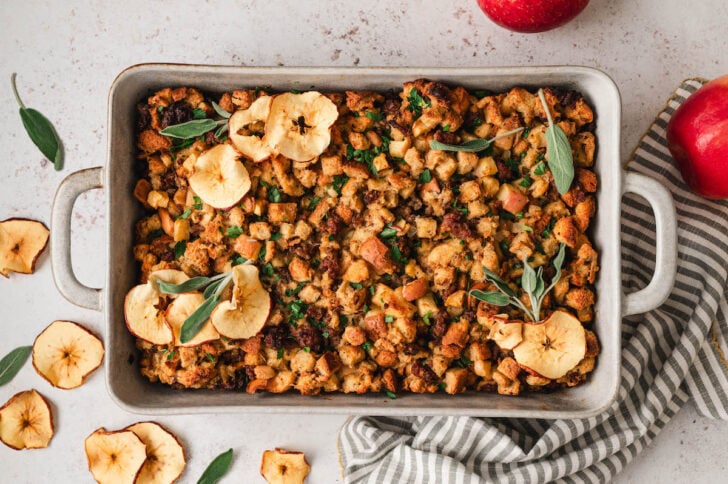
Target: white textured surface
(67, 53)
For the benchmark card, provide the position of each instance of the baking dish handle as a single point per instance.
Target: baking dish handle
(663, 279)
(68, 191)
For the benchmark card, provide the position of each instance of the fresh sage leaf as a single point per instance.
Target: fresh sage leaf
(40, 130)
(220, 111)
(474, 145)
(499, 283)
(532, 284)
(189, 285)
(194, 323)
(495, 298)
(539, 283)
(11, 364)
(221, 130)
(560, 158)
(217, 468)
(528, 279)
(190, 129)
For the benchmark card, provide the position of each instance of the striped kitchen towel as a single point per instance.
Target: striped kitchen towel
(669, 355)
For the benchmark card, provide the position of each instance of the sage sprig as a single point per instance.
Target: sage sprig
(532, 284)
(214, 286)
(11, 363)
(474, 145)
(217, 468)
(197, 127)
(40, 130)
(560, 158)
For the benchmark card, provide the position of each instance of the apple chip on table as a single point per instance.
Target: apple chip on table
(326, 242)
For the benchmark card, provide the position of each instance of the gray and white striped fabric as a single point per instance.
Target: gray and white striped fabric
(670, 354)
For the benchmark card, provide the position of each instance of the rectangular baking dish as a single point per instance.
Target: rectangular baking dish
(135, 394)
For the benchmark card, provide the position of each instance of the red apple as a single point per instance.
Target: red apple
(531, 16)
(697, 136)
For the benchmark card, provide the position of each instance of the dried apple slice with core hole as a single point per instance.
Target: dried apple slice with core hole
(165, 455)
(247, 311)
(506, 334)
(181, 309)
(144, 307)
(65, 353)
(299, 124)
(283, 467)
(219, 178)
(115, 457)
(553, 347)
(21, 242)
(250, 145)
(26, 421)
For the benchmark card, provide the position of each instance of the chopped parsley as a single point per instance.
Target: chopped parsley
(179, 248)
(415, 102)
(427, 318)
(234, 232)
(388, 318)
(296, 290)
(463, 362)
(526, 182)
(356, 285)
(339, 182)
(388, 233)
(274, 195)
(275, 236)
(210, 358)
(397, 255)
(527, 228)
(170, 355)
(549, 228)
(239, 260)
(198, 113)
(307, 349)
(374, 116)
(367, 345)
(185, 214)
(446, 128)
(267, 270)
(280, 353)
(314, 201)
(390, 394)
(526, 132)
(155, 233)
(506, 215)
(198, 203)
(297, 309)
(425, 176)
(540, 169)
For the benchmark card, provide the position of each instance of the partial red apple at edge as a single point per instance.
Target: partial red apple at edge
(697, 136)
(531, 16)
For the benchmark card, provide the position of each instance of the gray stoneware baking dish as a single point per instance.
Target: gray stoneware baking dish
(117, 178)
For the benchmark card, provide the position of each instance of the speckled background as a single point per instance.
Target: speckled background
(67, 54)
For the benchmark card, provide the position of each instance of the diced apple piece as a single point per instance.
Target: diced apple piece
(512, 200)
